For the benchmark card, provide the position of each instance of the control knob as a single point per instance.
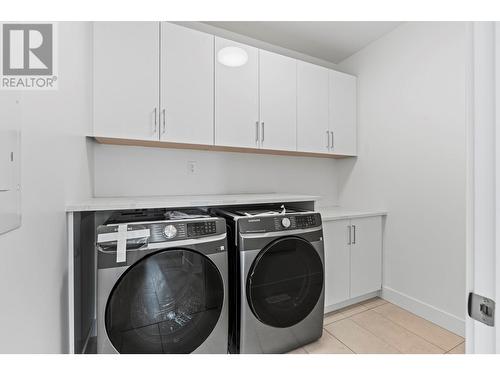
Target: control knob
(285, 222)
(170, 231)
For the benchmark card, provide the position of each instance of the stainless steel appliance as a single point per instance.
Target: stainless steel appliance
(162, 283)
(276, 278)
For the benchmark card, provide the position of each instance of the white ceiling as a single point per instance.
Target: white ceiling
(332, 41)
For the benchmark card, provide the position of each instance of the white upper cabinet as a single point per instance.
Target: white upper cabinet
(126, 79)
(342, 113)
(236, 94)
(278, 101)
(312, 108)
(187, 85)
(165, 82)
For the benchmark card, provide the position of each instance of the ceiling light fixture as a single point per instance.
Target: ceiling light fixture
(232, 56)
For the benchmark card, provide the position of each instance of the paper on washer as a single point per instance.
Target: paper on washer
(121, 236)
(121, 244)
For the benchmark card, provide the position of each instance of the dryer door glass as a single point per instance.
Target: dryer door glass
(168, 302)
(285, 282)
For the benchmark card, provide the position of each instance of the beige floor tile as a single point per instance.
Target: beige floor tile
(374, 302)
(333, 317)
(459, 349)
(352, 310)
(327, 344)
(358, 339)
(298, 351)
(395, 335)
(429, 331)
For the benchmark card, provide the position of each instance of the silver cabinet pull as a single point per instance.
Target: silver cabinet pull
(164, 123)
(262, 138)
(331, 133)
(328, 139)
(354, 235)
(256, 132)
(349, 230)
(155, 120)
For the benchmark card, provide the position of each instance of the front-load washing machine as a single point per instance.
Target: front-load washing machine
(276, 278)
(162, 283)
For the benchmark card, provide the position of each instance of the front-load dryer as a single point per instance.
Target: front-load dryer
(276, 278)
(162, 283)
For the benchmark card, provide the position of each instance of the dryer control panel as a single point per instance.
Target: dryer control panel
(306, 221)
(278, 223)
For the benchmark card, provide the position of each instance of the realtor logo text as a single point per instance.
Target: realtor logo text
(28, 56)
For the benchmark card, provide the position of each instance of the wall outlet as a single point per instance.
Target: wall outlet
(191, 165)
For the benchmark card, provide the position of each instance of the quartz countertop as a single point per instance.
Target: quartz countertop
(173, 201)
(338, 213)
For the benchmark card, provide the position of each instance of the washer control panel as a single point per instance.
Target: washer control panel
(203, 228)
(170, 231)
(183, 230)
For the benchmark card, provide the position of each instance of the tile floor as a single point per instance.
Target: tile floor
(376, 327)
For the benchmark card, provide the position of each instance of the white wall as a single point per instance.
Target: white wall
(55, 168)
(412, 162)
(123, 170)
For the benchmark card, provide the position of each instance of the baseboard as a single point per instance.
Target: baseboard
(424, 310)
(352, 301)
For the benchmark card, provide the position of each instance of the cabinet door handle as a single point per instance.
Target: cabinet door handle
(331, 133)
(354, 235)
(164, 122)
(349, 231)
(256, 132)
(155, 120)
(328, 139)
(262, 138)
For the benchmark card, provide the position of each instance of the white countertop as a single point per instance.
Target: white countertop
(338, 213)
(172, 201)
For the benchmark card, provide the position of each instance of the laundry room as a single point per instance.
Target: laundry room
(211, 183)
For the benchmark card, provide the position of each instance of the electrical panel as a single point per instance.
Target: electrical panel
(10, 186)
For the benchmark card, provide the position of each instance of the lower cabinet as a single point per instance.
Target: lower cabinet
(353, 258)
(337, 261)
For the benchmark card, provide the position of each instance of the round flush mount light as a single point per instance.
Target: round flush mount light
(232, 56)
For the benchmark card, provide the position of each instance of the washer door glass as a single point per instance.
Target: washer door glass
(285, 282)
(168, 302)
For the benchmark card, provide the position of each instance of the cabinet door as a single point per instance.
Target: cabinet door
(336, 241)
(126, 79)
(187, 85)
(312, 108)
(236, 94)
(278, 101)
(343, 113)
(366, 255)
